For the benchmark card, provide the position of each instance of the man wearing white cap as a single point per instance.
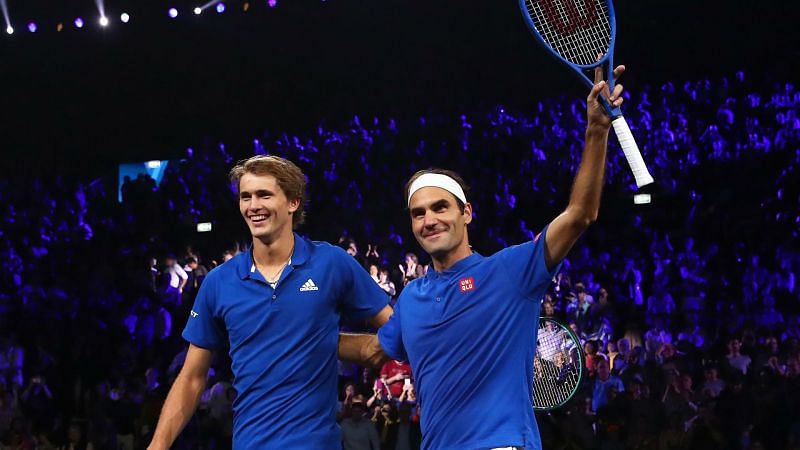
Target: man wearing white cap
(469, 326)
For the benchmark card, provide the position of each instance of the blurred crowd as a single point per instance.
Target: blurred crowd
(688, 307)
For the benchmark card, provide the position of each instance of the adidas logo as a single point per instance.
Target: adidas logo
(309, 286)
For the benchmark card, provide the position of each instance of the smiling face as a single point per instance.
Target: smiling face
(265, 208)
(439, 225)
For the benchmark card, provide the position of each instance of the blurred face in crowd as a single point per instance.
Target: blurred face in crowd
(373, 270)
(602, 368)
(634, 390)
(74, 433)
(358, 411)
(686, 382)
(438, 223)
(265, 208)
(537, 367)
(548, 310)
(772, 344)
(734, 346)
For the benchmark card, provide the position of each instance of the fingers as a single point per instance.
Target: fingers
(596, 90)
(616, 97)
(618, 71)
(598, 74)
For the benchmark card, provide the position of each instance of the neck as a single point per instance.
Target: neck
(446, 261)
(274, 252)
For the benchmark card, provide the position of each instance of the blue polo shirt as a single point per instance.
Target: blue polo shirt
(284, 342)
(470, 335)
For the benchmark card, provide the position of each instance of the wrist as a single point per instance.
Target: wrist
(597, 131)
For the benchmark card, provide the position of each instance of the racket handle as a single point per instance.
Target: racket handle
(632, 153)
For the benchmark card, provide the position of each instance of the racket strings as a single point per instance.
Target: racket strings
(579, 30)
(556, 367)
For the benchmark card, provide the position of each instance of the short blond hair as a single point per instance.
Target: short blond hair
(289, 177)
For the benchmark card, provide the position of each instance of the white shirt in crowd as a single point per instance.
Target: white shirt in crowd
(176, 274)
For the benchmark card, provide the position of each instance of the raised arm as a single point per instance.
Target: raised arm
(584, 201)
(183, 397)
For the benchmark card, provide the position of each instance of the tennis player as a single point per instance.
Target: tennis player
(277, 306)
(469, 326)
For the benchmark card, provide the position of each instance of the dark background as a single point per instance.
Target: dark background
(82, 101)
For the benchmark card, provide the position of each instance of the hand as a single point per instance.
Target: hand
(597, 118)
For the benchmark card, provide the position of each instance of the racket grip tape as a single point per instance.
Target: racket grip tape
(632, 153)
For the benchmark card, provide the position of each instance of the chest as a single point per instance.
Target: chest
(439, 315)
(302, 298)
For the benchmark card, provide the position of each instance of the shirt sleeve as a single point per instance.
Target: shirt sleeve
(525, 265)
(391, 338)
(181, 273)
(203, 329)
(362, 298)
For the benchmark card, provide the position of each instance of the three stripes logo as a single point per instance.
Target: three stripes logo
(309, 286)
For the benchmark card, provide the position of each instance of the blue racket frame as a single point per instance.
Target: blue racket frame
(579, 69)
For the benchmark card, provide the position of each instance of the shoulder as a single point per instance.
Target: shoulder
(321, 250)
(227, 270)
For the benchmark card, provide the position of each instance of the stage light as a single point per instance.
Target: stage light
(204, 227)
(124, 17)
(198, 10)
(173, 13)
(32, 27)
(155, 164)
(10, 29)
(79, 22)
(220, 7)
(272, 3)
(103, 21)
(641, 199)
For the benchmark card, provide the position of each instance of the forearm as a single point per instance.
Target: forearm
(363, 349)
(178, 408)
(584, 201)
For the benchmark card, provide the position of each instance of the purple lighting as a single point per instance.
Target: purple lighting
(32, 27)
(79, 22)
(272, 3)
(220, 7)
(173, 13)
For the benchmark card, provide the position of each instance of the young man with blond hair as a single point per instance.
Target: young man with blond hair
(277, 307)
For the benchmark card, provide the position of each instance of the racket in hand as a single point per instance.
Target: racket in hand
(557, 366)
(581, 33)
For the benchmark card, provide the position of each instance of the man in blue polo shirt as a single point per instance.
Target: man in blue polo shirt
(277, 306)
(469, 326)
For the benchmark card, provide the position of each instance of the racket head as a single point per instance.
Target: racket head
(558, 365)
(575, 32)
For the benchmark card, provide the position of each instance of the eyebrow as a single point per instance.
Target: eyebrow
(259, 192)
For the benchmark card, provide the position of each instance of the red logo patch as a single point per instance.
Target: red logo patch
(466, 284)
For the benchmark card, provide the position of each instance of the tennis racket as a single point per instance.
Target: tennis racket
(557, 366)
(576, 32)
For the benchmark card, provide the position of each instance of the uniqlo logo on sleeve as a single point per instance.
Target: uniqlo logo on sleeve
(466, 284)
